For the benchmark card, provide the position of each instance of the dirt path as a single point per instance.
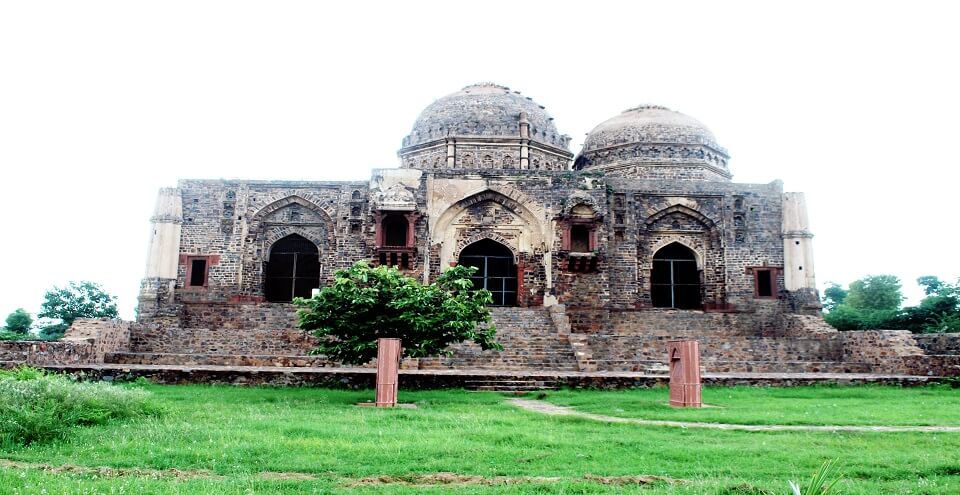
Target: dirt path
(555, 410)
(411, 479)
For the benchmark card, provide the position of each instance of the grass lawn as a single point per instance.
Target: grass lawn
(228, 440)
(817, 405)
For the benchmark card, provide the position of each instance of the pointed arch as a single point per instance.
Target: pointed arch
(675, 279)
(292, 269)
(289, 200)
(684, 210)
(496, 269)
(697, 254)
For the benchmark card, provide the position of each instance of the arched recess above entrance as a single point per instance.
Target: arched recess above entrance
(700, 218)
(531, 231)
(292, 199)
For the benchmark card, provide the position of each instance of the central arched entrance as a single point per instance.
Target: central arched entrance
(496, 271)
(675, 281)
(293, 269)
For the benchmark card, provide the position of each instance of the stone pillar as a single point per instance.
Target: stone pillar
(798, 272)
(388, 365)
(163, 256)
(524, 141)
(451, 153)
(684, 358)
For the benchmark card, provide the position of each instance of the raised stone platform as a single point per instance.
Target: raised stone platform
(463, 378)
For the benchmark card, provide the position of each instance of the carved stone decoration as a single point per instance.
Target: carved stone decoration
(396, 197)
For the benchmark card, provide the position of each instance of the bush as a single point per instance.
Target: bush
(5, 335)
(36, 406)
(844, 317)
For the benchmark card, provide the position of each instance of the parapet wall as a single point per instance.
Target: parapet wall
(222, 341)
(85, 342)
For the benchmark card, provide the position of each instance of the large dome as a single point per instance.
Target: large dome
(652, 135)
(484, 110)
(649, 124)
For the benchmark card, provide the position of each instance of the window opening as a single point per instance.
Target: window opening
(765, 282)
(580, 239)
(198, 273)
(395, 231)
(293, 269)
(675, 280)
(496, 271)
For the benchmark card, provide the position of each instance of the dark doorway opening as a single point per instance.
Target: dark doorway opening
(496, 271)
(395, 231)
(293, 269)
(675, 281)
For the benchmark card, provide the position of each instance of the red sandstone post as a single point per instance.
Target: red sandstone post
(388, 366)
(684, 358)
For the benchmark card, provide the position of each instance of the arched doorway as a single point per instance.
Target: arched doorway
(293, 269)
(495, 270)
(675, 281)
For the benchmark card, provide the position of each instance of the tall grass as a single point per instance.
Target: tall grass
(36, 406)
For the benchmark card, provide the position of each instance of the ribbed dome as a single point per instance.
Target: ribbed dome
(649, 124)
(651, 141)
(484, 109)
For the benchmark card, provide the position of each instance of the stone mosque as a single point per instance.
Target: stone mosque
(595, 260)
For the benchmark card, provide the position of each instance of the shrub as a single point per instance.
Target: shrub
(823, 482)
(36, 406)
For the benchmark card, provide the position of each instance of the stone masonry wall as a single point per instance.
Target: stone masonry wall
(939, 343)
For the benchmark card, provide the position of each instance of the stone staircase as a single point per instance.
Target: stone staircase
(637, 341)
(530, 341)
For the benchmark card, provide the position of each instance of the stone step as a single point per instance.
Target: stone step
(509, 388)
(721, 366)
(215, 359)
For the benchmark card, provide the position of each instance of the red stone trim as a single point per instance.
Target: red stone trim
(773, 272)
(187, 260)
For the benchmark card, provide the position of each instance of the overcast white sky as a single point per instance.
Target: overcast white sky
(102, 103)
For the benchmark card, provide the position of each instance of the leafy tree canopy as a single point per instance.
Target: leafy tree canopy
(876, 292)
(76, 300)
(873, 308)
(19, 322)
(833, 296)
(364, 304)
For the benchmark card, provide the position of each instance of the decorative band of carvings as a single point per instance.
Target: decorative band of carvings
(692, 154)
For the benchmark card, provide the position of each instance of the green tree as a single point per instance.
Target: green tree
(19, 322)
(76, 300)
(875, 292)
(938, 312)
(931, 284)
(833, 296)
(364, 304)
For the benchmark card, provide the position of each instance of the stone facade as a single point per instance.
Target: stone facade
(486, 178)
